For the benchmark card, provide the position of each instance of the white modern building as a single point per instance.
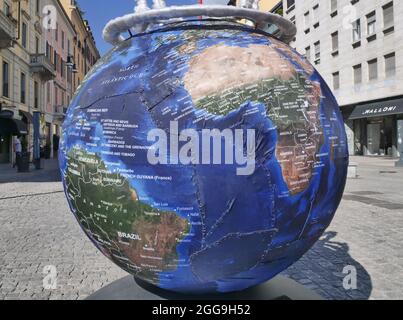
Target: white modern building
(357, 46)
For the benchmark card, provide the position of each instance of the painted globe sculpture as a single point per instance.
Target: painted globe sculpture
(203, 156)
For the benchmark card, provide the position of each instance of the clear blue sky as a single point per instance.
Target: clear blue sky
(99, 12)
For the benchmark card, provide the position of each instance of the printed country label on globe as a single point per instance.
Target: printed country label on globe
(203, 156)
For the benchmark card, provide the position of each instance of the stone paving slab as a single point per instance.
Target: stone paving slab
(37, 230)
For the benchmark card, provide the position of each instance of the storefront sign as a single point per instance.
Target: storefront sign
(383, 108)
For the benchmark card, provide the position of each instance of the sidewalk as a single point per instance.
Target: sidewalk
(378, 180)
(50, 172)
(374, 161)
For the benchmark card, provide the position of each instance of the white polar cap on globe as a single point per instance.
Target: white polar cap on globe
(210, 2)
(141, 5)
(142, 18)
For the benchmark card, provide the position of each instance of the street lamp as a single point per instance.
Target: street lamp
(70, 62)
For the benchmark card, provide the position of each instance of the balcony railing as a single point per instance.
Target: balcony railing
(60, 112)
(41, 64)
(8, 30)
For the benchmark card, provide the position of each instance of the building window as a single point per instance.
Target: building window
(357, 74)
(55, 58)
(56, 97)
(23, 88)
(36, 95)
(336, 80)
(371, 24)
(38, 6)
(61, 68)
(48, 92)
(333, 8)
(24, 35)
(308, 53)
(63, 40)
(356, 31)
(6, 80)
(373, 69)
(315, 16)
(68, 75)
(307, 22)
(290, 5)
(7, 10)
(335, 43)
(317, 52)
(57, 32)
(390, 65)
(388, 17)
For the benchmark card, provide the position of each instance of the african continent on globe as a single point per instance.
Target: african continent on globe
(202, 227)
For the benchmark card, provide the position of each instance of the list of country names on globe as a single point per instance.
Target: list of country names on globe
(114, 142)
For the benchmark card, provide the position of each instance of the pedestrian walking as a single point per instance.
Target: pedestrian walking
(17, 149)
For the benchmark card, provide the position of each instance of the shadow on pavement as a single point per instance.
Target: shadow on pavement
(49, 173)
(321, 269)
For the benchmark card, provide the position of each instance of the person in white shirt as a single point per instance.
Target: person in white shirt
(17, 148)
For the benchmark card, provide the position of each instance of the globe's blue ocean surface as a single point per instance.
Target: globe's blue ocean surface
(202, 227)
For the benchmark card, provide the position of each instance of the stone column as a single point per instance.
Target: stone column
(400, 142)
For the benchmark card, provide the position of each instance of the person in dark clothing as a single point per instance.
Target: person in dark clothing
(56, 140)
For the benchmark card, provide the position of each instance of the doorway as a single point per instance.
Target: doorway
(374, 139)
(5, 148)
(380, 133)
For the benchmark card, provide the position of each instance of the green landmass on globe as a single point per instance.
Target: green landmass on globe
(108, 209)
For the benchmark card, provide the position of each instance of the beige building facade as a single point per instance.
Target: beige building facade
(85, 53)
(46, 48)
(24, 72)
(58, 41)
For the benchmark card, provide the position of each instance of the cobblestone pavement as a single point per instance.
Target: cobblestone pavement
(37, 230)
